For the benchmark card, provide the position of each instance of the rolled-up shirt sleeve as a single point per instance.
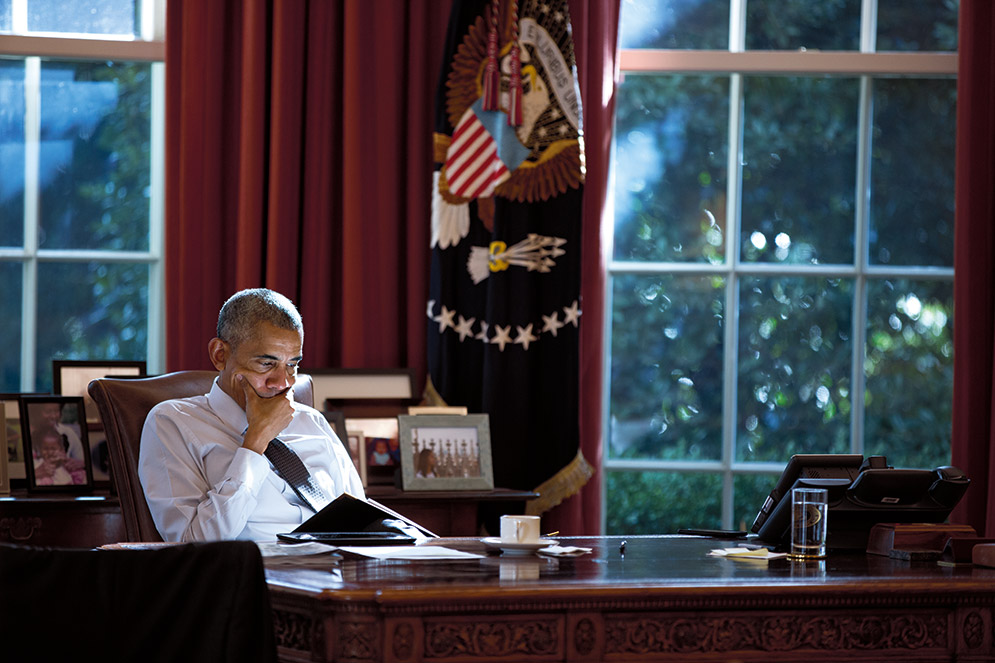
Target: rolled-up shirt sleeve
(185, 504)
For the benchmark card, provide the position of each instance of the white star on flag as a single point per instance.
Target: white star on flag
(551, 323)
(525, 336)
(465, 328)
(502, 336)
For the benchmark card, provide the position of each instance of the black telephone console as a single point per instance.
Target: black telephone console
(862, 493)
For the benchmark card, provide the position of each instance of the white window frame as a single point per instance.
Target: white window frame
(735, 63)
(34, 47)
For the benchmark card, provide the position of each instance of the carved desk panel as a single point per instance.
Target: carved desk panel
(663, 600)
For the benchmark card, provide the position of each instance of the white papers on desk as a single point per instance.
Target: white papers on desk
(277, 549)
(409, 552)
(761, 554)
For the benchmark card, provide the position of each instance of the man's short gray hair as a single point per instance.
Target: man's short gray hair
(247, 308)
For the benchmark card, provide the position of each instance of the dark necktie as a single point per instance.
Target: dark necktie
(289, 466)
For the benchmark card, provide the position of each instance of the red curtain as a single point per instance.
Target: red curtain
(974, 265)
(299, 158)
(595, 33)
(298, 135)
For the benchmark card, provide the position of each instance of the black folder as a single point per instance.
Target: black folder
(352, 521)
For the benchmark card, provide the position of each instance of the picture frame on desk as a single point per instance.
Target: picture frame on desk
(70, 377)
(357, 451)
(351, 440)
(4, 475)
(334, 386)
(445, 452)
(11, 405)
(379, 445)
(56, 444)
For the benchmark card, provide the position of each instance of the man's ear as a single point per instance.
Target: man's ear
(218, 352)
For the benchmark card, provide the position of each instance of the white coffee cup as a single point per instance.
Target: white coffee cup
(520, 529)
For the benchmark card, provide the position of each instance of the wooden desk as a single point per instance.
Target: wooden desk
(61, 520)
(452, 513)
(663, 600)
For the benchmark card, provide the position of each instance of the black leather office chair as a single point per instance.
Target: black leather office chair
(191, 602)
(123, 405)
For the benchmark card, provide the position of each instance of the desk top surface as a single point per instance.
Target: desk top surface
(650, 564)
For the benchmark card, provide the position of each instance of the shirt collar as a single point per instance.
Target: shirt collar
(226, 408)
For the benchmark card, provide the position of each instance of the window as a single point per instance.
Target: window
(81, 152)
(782, 265)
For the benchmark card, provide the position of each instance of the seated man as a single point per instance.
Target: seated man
(202, 463)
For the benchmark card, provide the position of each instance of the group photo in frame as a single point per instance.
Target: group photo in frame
(445, 452)
(56, 444)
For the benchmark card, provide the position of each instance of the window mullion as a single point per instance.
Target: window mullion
(29, 283)
(734, 190)
(861, 249)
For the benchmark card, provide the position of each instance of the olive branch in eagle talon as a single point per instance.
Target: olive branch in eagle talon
(537, 253)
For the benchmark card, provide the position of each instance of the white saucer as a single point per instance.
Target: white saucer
(515, 547)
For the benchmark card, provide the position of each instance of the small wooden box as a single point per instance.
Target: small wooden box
(914, 538)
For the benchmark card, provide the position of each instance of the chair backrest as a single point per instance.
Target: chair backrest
(190, 602)
(124, 405)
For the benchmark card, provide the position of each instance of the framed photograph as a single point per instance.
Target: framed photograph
(380, 447)
(71, 377)
(395, 387)
(357, 450)
(4, 476)
(56, 444)
(446, 452)
(11, 405)
(336, 419)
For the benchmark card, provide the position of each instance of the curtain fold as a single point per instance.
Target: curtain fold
(973, 447)
(294, 132)
(595, 32)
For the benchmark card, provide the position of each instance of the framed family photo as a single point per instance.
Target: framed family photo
(56, 444)
(378, 445)
(446, 452)
(71, 377)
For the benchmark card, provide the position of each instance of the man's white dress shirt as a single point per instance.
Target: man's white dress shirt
(202, 485)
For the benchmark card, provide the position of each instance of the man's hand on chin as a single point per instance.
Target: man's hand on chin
(267, 417)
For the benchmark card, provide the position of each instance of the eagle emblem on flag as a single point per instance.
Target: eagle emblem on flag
(504, 304)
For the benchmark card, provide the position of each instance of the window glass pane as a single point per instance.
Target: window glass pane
(917, 25)
(666, 372)
(5, 16)
(671, 135)
(96, 17)
(95, 155)
(95, 311)
(661, 502)
(10, 326)
(675, 24)
(750, 491)
(912, 172)
(829, 25)
(12, 152)
(800, 155)
(794, 367)
(909, 367)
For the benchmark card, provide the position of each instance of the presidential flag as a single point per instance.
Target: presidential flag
(504, 305)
